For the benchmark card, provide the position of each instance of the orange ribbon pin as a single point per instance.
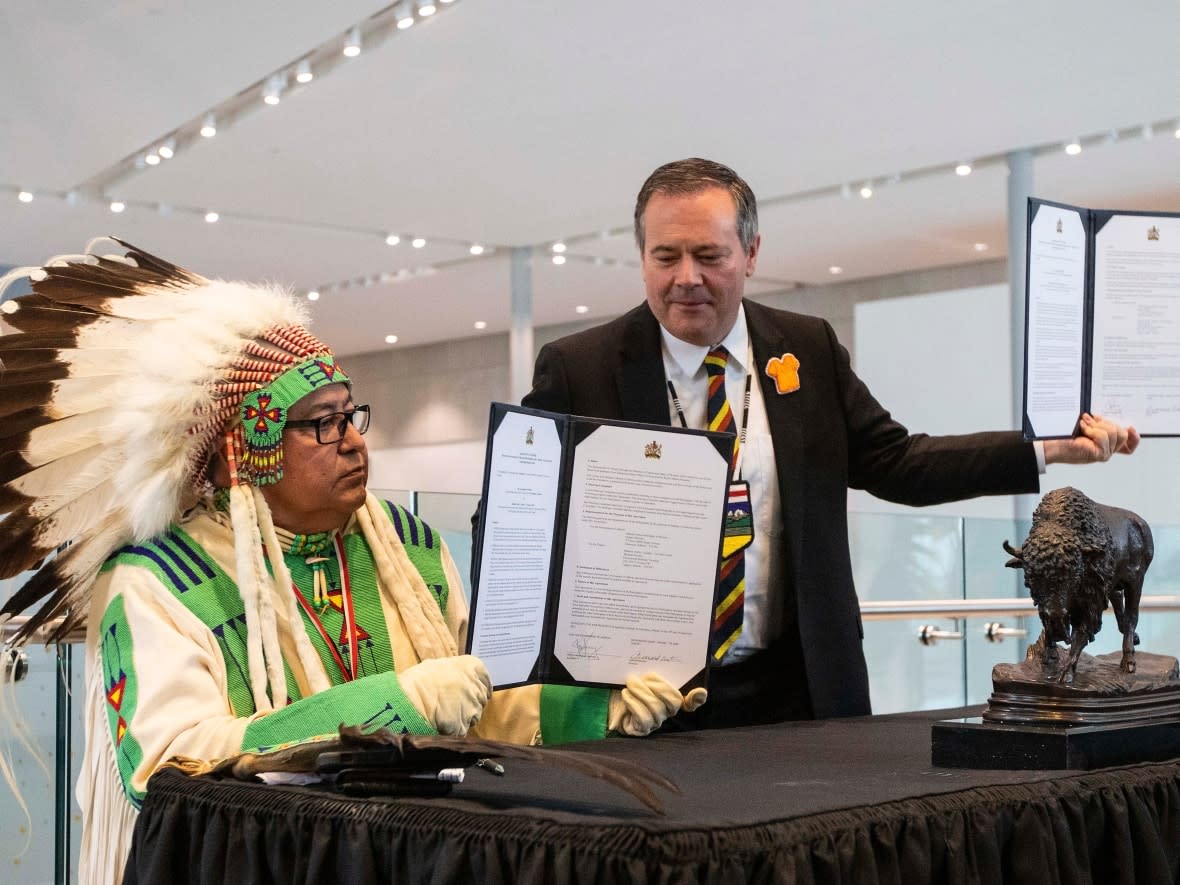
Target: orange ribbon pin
(785, 372)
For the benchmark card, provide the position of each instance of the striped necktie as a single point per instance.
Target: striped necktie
(727, 616)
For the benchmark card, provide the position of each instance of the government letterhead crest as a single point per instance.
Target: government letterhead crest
(1060, 228)
(653, 450)
(528, 437)
(1153, 233)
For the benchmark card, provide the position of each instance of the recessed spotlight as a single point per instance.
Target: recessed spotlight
(391, 339)
(559, 259)
(118, 206)
(476, 249)
(313, 295)
(980, 247)
(581, 308)
(152, 158)
(963, 169)
(209, 127)
(835, 270)
(211, 217)
(866, 191)
(1073, 147)
(303, 72)
(167, 150)
(418, 242)
(426, 8)
(481, 325)
(404, 13)
(558, 247)
(392, 240)
(352, 43)
(25, 196)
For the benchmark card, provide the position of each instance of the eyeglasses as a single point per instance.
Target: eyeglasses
(331, 428)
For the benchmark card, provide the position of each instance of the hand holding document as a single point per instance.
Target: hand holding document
(599, 549)
(1102, 334)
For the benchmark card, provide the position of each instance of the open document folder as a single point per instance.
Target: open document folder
(1102, 319)
(598, 550)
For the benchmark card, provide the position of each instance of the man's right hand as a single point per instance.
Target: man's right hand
(450, 692)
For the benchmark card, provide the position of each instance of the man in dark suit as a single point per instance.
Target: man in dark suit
(810, 432)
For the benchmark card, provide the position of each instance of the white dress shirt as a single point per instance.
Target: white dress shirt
(684, 365)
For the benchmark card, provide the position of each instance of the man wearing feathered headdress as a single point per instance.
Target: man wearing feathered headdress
(201, 453)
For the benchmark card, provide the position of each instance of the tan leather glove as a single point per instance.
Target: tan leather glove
(645, 702)
(449, 692)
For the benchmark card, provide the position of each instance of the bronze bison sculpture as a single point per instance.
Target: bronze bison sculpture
(1078, 556)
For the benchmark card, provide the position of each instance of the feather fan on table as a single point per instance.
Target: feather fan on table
(637, 780)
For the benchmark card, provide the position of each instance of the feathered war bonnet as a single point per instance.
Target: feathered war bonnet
(124, 375)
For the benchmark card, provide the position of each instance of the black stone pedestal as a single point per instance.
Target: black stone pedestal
(1103, 717)
(973, 743)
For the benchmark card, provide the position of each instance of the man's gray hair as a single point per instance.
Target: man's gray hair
(691, 176)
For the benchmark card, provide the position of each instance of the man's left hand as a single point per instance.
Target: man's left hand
(1098, 440)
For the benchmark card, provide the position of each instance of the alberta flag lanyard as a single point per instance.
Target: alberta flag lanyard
(348, 672)
(741, 452)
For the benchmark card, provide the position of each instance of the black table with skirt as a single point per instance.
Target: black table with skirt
(839, 801)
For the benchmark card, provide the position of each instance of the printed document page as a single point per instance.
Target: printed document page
(641, 555)
(521, 506)
(1056, 321)
(1136, 365)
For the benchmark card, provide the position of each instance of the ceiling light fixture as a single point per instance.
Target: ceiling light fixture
(1073, 147)
(352, 43)
(272, 92)
(418, 242)
(152, 158)
(303, 72)
(209, 126)
(211, 217)
(1147, 132)
(25, 196)
(167, 150)
(476, 249)
(963, 169)
(391, 339)
(581, 308)
(404, 13)
(426, 8)
(392, 240)
(118, 206)
(559, 260)
(866, 190)
(481, 325)
(835, 270)
(313, 295)
(980, 247)
(558, 247)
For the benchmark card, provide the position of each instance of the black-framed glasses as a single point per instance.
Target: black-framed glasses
(331, 428)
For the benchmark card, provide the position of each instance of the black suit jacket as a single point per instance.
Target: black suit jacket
(828, 436)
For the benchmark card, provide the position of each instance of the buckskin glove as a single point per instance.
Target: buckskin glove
(645, 702)
(449, 692)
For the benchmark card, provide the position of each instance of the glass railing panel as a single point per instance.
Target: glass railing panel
(902, 556)
(450, 515)
(986, 577)
(28, 844)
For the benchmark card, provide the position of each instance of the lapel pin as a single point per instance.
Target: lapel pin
(785, 372)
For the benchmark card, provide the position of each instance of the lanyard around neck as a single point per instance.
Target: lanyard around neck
(347, 671)
(741, 432)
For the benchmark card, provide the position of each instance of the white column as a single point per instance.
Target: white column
(520, 336)
(1020, 183)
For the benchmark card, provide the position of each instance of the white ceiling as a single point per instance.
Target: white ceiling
(518, 122)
